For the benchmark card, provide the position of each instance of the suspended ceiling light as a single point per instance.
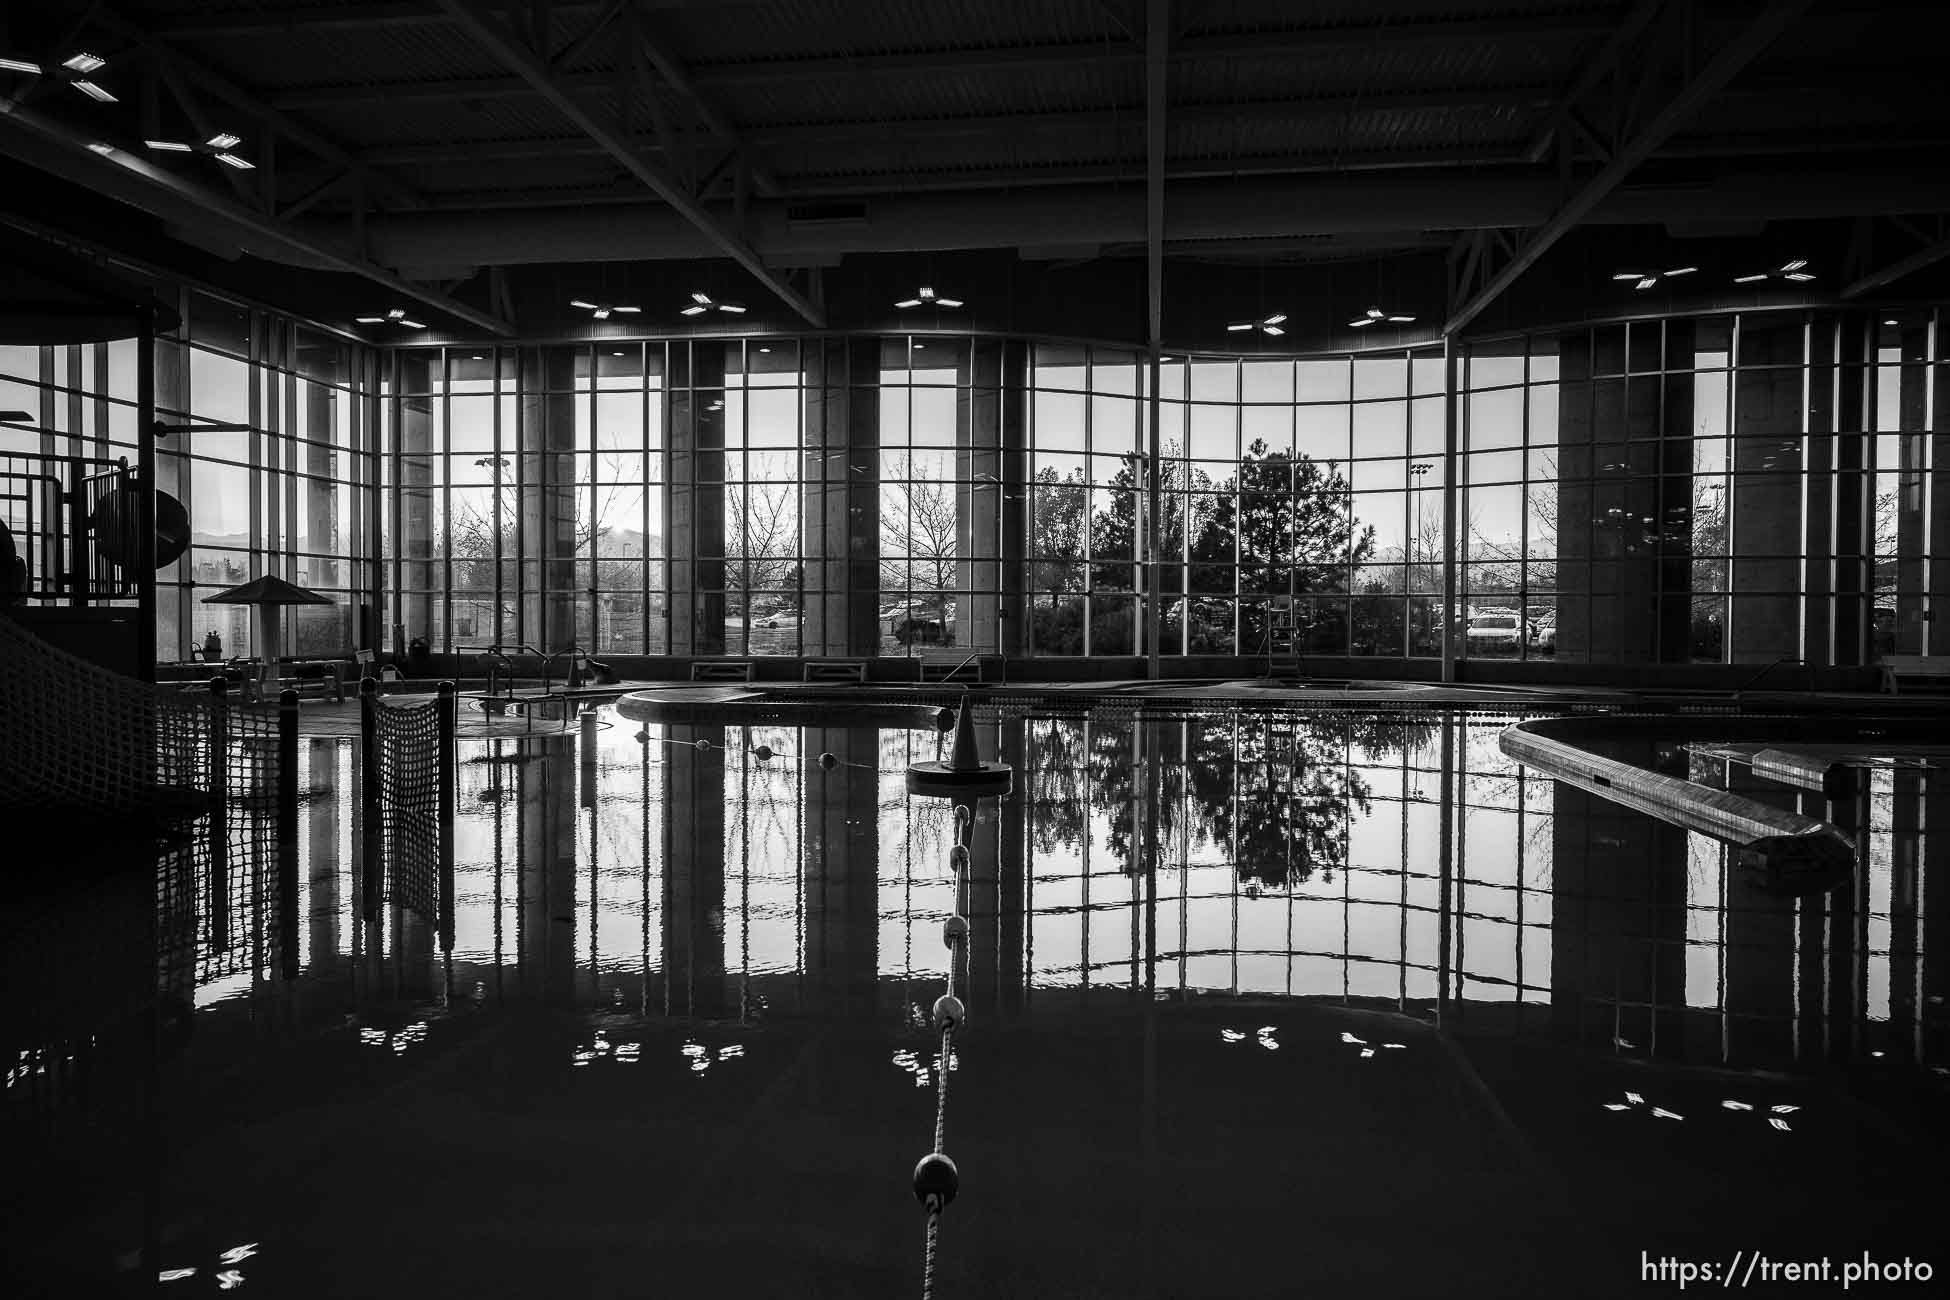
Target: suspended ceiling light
(1646, 279)
(1789, 270)
(602, 310)
(704, 302)
(394, 316)
(1265, 325)
(925, 296)
(74, 70)
(217, 146)
(1375, 316)
(100, 148)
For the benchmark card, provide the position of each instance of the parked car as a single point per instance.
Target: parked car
(1495, 633)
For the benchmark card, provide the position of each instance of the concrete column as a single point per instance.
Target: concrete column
(1618, 925)
(694, 831)
(177, 615)
(1852, 544)
(546, 475)
(694, 407)
(1623, 501)
(1767, 528)
(840, 501)
(982, 544)
(1012, 638)
(421, 578)
(325, 531)
(842, 886)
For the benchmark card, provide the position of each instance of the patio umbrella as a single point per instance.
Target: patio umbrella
(269, 594)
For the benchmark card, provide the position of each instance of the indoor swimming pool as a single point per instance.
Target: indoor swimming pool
(1261, 1000)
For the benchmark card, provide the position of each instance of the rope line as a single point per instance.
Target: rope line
(936, 1178)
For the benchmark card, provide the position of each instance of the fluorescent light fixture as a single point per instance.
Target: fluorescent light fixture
(703, 299)
(1276, 318)
(479, 357)
(1274, 330)
(396, 313)
(1626, 275)
(735, 308)
(586, 306)
(695, 309)
(411, 324)
(99, 147)
(1795, 265)
(232, 160)
(1402, 320)
(1646, 282)
(95, 92)
(1362, 323)
(1682, 270)
(370, 320)
(629, 310)
(167, 146)
(1890, 321)
(84, 62)
(926, 295)
(20, 65)
(1238, 326)
(1748, 279)
(224, 140)
(602, 313)
(1799, 275)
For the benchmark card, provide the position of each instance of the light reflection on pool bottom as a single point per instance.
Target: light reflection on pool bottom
(1259, 1004)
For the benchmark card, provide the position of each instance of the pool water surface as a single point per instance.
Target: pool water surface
(1260, 1001)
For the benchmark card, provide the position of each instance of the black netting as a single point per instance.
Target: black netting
(409, 802)
(107, 779)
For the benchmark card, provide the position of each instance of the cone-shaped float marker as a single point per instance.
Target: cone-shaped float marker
(966, 757)
(964, 773)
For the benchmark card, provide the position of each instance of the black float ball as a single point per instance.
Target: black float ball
(936, 1180)
(954, 931)
(949, 1013)
(945, 720)
(829, 760)
(762, 753)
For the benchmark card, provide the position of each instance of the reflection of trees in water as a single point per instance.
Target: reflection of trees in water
(1273, 789)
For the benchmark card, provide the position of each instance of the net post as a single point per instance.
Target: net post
(288, 834)
(219, 815)
(371, 837)
(449, 718)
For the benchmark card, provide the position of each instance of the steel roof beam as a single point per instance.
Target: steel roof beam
(679, 80)
(1929, 255)
(709, 76)
(135, 179)
(498, 41)
(1727, 61)
(266, 114)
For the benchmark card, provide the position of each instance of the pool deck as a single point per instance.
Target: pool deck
(325, 718)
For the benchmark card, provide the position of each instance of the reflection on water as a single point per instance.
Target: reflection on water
(1393, 860)
(689, 956)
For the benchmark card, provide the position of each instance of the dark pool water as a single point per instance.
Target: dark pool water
(1260, 1002)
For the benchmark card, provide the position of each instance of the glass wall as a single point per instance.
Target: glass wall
(283, 489)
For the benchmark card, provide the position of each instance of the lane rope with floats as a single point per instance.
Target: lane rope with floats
(963, 778)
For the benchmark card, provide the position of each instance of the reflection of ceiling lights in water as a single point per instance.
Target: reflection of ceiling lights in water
(1646, 279)
(1268, 325)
